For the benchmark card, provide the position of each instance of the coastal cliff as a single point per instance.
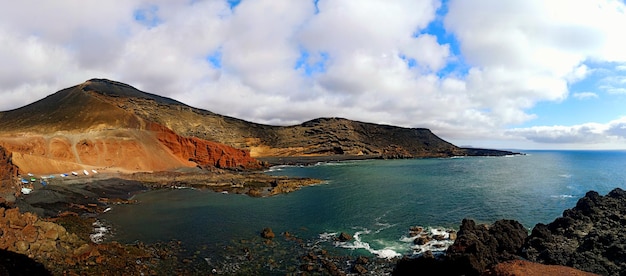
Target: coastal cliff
(8, 172)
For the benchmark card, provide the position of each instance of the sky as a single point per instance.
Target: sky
(515, 74)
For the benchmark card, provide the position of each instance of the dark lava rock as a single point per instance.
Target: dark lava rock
(344, 237)
(588, 237)
(359, 269)
(476, 248)
(479, 247)
(12, 263)
(362, 260)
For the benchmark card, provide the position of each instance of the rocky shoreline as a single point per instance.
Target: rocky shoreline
(51, 226)
(587, 240)
(49, 229)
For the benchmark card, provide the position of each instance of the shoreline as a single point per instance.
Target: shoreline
(121, 190)
(310, 160)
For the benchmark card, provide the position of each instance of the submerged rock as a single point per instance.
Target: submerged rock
(267, 233)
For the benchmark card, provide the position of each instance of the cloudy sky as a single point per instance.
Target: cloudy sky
(523, 74)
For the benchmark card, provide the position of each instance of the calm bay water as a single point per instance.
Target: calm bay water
(378, 200)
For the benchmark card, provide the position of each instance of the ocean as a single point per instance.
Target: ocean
(375, 201)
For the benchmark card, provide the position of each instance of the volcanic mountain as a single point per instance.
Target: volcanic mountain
(110, 125)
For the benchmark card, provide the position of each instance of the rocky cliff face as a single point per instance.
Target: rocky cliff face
(8, 172)
(7, 169)
(204, 153)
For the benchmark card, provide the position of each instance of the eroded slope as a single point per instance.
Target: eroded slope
(85, 127)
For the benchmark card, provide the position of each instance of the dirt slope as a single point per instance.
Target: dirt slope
(84, 127)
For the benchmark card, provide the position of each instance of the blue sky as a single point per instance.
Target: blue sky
(505, 74)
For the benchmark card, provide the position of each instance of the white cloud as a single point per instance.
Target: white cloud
(373, 60)
(588, 133)
(585, 95)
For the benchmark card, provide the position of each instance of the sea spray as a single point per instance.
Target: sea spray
(99, 232)
(358, 243)
(433, 239)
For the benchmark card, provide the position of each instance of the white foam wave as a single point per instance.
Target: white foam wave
(328, 236)
(333, 163)
(565, 175)
(99, 231)
(358, 243)
(278, 168)
(437, 241)
(562, 196)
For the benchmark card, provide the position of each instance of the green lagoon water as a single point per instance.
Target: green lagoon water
(377, 201)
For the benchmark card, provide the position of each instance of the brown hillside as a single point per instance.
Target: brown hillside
(323, 136)
(83, 127)
(107, 124)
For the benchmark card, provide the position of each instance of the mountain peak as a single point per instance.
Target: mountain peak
(117, 89)
(105, 85)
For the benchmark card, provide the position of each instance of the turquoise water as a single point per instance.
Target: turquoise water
(378, 200)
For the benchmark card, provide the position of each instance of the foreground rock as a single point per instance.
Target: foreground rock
(30, 245)
(478, 247)
(589, 237)
(8, 171)
(526, 268)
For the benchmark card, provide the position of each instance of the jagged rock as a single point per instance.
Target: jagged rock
(421, 240)
(359, 269)
(588, 237)
(479, 247)
(21, 246)
(203, 152)
(14, 219)
(452, 235)
(7, 171)
(362, 260)
(267, 233)
(344, 237)
(30, 233)
(51, 234)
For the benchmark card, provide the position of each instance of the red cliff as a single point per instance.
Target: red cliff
(7, 169)
(8, 172)
(203, 152)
